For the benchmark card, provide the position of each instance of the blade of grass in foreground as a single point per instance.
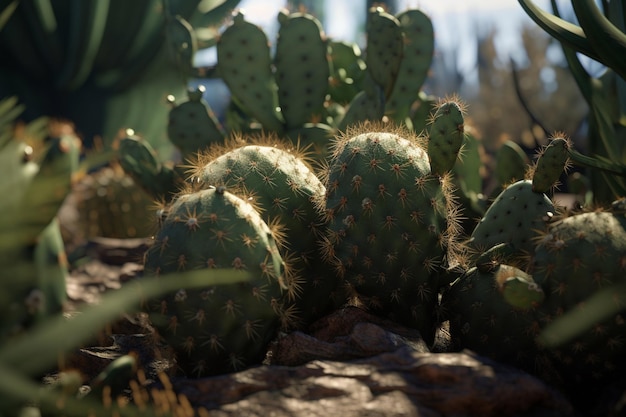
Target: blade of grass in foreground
(39, 349)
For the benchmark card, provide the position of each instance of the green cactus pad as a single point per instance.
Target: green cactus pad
(522, 292)
(445, 136)
(139, 160)
(348, 69)
(483, 319)
(182, 42)
(192, 126)
(245, 65)
(419, 46)
(516, 217)
(226, 327)
(390, 224)
(365, 106)
(302, 68)
(385, 43)
(553, 160)
(511, 163)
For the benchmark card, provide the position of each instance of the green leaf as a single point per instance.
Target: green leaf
(598, 308)
(37, 350)
(562, 30)
(605, 38)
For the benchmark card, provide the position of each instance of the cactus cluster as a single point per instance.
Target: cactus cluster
(559, 262)
(522, 210)
(373, 229)
(285, 190)
(562, 272)
(376, 228)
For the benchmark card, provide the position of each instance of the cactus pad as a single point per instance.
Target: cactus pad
(226, 327)
(390, 224)
(516, 216)
(302, 68)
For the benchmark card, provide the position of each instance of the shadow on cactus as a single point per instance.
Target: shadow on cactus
(532, 297)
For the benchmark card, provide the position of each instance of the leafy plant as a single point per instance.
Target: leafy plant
(104, 65)
(601, 37)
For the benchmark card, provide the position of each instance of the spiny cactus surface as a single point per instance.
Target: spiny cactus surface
(390, 224)
(285, 190)
(218, 328)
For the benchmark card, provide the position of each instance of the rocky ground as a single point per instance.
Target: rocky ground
(349, 363)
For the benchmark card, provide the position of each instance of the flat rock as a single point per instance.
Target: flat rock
(404, 382)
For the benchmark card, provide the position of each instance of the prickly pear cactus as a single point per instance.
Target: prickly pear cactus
(445, 136)
(391, 223)
(348, 69)
(192, 125)
(385, 43)
(219, 328)
(285, 190)
(417, 56)
(552, 161)
(522, 211)
(139, 160)
(245, 65)
(493, 311)
(366, 105)
(515, 217)
(302, 68)
(109, 204)
(575, 258)
(511, 163)
(513, 316)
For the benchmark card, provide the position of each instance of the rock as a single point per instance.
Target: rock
(400, 383)
(347, 333)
